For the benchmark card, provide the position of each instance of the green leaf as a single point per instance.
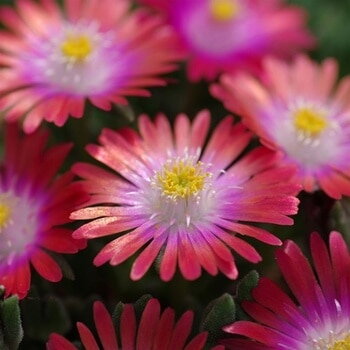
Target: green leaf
(56, 316)
(340, 216)
(50, 316)
(11, 322)
(244, 292)
(245, 286)
(219, 313)
(140, 305)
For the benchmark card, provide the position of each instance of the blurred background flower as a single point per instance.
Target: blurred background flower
(53, 60)
(232, 35)
(34, 204)
(299, 110)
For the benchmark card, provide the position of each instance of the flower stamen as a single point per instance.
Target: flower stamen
(181, 179)
(5, 214)
(77, 47)
(310, 122)
(341, 344)
(224, 10)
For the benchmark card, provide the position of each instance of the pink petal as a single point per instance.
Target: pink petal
(46, 266)
(87, 337)
(181, 331)
(128, 328)
(105, 327)
(148, 325)
(57, 342)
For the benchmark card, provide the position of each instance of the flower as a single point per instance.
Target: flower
(53, 60)
(156, 330)
(33, 205)
(321, 321)
(299, 111)
(179, 200)
(231, 35)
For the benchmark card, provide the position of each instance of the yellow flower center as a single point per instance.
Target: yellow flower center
(341, 344)
(77, 47)
(224, 10)
(309, 121)
(5, 214)
(183, 180)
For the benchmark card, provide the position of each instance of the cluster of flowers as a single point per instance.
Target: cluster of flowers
(176, 194)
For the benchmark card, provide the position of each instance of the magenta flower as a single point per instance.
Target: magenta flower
(180, 200)
(299, 111)
(54, 59)
(230, 35)
(33, 206)
(320, 320)
(156, 330)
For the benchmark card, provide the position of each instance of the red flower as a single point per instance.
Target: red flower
(156, 330)
(54, 59)
(183, 192)
(33, 205)
(320, 318)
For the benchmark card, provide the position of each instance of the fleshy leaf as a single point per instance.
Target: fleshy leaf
(219, 313)
(244, 290)
(11, 323)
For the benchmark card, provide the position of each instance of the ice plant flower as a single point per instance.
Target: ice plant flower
(230, 35)
(53, 60)
(320, 319)
(180, 200)
(299, 111)
(33, 205)
(156, 330)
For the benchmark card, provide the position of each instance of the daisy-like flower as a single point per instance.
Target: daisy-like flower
(181, 201)
(230, 35)
(33, 205)
(299, 111)
(156, 330)
(321, 319)
(53, 60)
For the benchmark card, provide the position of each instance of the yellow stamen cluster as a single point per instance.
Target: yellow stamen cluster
(224, 10)
(309, 121)
(342, 344)
(5, 214)
(77, 47)
(182, 180)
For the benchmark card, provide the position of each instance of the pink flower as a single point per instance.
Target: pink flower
(33, 205)
(298, 110)
(54, 60)
(230, 35)
(180, 200)
(320, 320)
(156, 330)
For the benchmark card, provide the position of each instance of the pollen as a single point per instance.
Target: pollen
(309, 121)
(341, 344)
(77, 47)
(224, 10)
(182, 180)
(5, 214)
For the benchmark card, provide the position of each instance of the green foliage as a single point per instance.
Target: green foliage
(244, 290)
(329, 21)
(340, 218)
(43, 316)
(219, 313)
(11, 332)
